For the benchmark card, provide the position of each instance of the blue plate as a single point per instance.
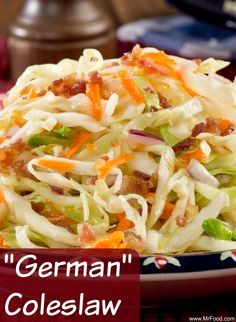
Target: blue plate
(165, 280)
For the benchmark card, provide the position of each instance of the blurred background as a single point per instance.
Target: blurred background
(45, 31)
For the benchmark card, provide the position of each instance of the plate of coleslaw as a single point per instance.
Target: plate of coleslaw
(137, 152)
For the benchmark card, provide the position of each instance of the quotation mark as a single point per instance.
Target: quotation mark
(126, 258)
(9, 258)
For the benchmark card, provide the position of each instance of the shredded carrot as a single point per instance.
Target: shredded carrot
(130, 86)
(161, 68)
(2, 139)
(114, 240)
(60, 166)
(166, 65)
(120, 215)
(93, 92)
(224, 125)
(196, 154)
(159, 57)
(187, 89)
(2, 199)
(124, 223)
(106, 168)
(77, 142)
(26, 90)
(1, 241)
(167, 211)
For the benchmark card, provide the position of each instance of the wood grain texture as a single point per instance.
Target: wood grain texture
(121, 11)
(129, 10)
(8, 11)
(46, 31)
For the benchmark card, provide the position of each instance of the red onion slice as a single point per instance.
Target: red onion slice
(198, 172)
(57, 190)
(145, 138)
(13, 130)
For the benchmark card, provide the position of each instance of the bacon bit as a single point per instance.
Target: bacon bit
(77, 142)
(183, 145)
(68, 86)
(212, 126)
(181, 221)
(167, 211)
(226, 127)
(86, 233)
(198, 128)
(129, 84)
(21, 169)
(114, 240)
(106, 168)
(54, 215)
(92, 180)
(37, 206)
(60, 166)
(124, 223)
(142, 175)
(220, 127)
(163, 101)
(8, 153)
(196, 154)
(130, 58)
(133, 185)
(153, 109)
(105, 157)
(197, 61)
(95, 77)
(93, 93)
